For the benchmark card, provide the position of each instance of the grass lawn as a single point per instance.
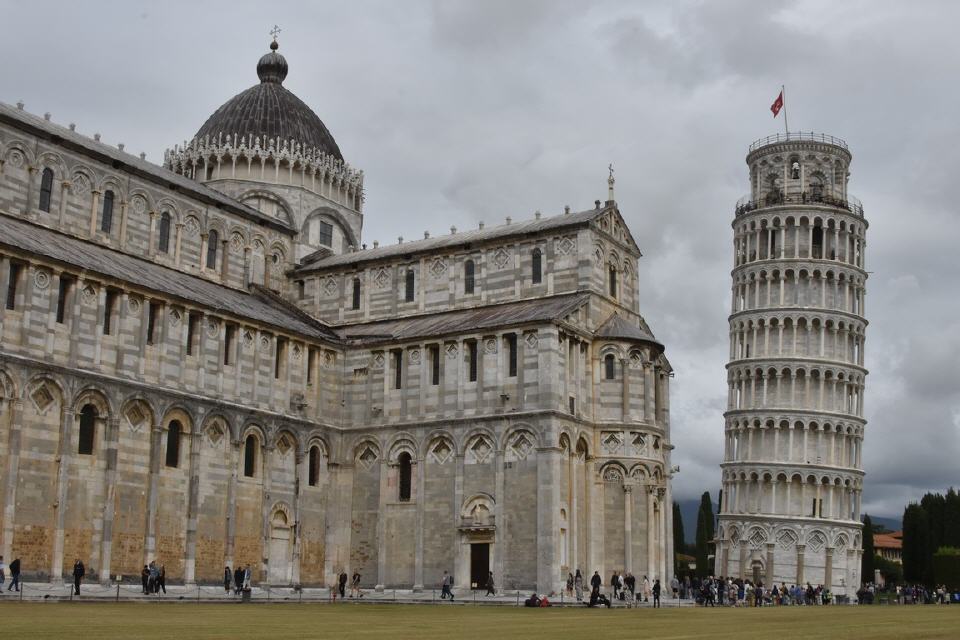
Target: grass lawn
(132, 621)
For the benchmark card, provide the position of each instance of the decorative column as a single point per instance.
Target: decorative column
(231, 524)
(421, 467)
(150, 542)
(64, 456)
(828, 567)
(628, 525)
(800, 553)
(548, 520)
(193, 501)
(14, 413)
(109, 498)
(771, 571)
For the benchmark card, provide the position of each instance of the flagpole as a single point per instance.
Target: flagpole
(783, 92)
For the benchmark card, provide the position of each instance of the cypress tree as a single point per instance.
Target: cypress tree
(951, 519)
(868, 562)
(679, 543)
(704, 534)
(916, 535)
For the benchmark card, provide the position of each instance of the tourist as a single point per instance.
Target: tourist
(355, 585)
(162, 579)
(227, 579)
(78, 572)
(145, 578)
(595, 581)
(491, 587)
(247, 576)
(758, 594)
(675, 587)
(578, 586)
(615, 584)
(631, 582)
(3, 573)
(646, 589)
(569, 585)
(154, 577)
(597, 598)
(342, 584)
(14, 575)
(532, 601)
(656, 593)
(237, 580)
(445, 587)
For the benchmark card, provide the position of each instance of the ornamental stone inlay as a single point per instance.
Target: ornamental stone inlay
(566, 246)
(382, 278)
(42, 279)
(501, 257)
(330, 287)
(438, 267)
(80, 186)
(15, 159)
(138, 204)
(134, 305)
(191, 227)
(531, 340)
(89, 295)
(451, 351)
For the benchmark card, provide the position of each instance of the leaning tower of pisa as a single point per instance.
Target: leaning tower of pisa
(792, 473)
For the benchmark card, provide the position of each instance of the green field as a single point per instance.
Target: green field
(132, 621)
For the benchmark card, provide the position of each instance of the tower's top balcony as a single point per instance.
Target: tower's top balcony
(748, 204)
(798, 136)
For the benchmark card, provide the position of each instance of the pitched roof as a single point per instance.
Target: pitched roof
(619, 328)
(888, 540)
(459, 239)
(132, 164)
(92, 257)
(465, 320)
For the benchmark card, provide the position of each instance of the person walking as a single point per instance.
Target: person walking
(491, 587)
(656, 593)
(162, 579)
(569, 585)
(595, 582)
(78, 572)
(247, 577)
(631, 582)
(615, 584)
(646, 589)
(578, 585)
(227, 579)
(342, 584)
(145, 578)
(445, 587)
(355, 585)
(14, 575)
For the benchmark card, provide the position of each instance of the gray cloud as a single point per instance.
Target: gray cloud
(468, 111)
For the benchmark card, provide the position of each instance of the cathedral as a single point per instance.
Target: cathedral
(201, 363)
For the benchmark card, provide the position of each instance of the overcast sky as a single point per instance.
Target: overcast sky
(461, 112)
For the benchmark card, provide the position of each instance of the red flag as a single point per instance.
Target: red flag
(777, 105)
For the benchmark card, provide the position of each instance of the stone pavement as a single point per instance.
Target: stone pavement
(206, 594)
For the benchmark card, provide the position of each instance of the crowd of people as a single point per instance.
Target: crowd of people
(237, 580)
(908, 594)
(153, 578)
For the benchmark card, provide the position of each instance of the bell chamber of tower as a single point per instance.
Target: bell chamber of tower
(792, 474)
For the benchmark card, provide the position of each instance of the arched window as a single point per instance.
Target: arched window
(163, 237)
(406, 470)
(106, 217)
(536, 268)
(250, 456)
(613, 281)
(46, 188)
(468, 271)
(313, 477)
(173, 443)
(410, 282)
(88, 428)
(356, 293)
(213, 239)
(609, 367)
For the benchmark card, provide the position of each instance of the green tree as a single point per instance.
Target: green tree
(679, 541)
(704, 535)
(867, 564)
(934, 505)
(916, 535)
(951, 519)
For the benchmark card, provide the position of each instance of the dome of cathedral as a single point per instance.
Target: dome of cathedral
(268, 111)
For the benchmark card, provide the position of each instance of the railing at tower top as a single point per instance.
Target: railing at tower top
(850, 204)
(798, 135)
